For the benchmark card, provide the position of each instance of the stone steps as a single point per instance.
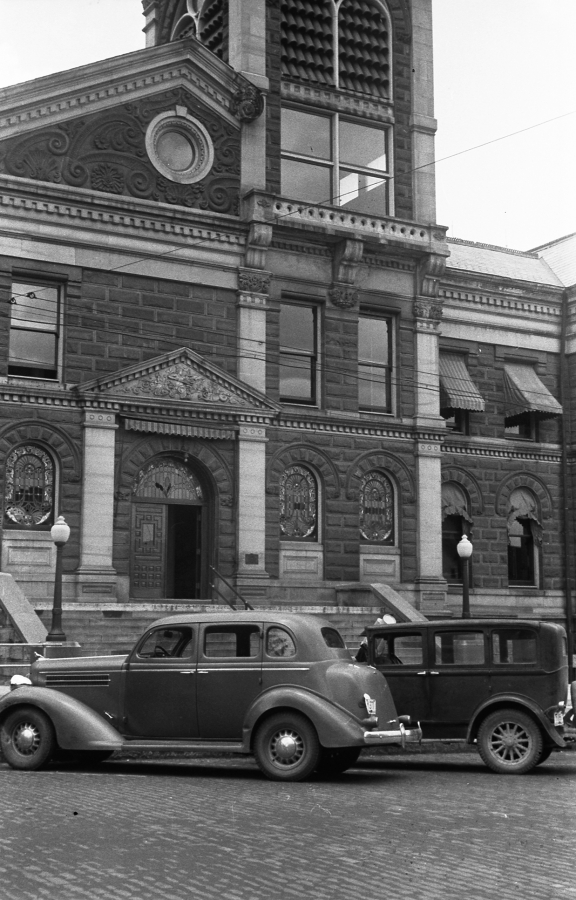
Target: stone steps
(103, 629)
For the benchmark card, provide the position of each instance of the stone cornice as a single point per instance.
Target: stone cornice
(491, 302)
(104, 84)
(369, 108)
(82, 209)
(550, 456)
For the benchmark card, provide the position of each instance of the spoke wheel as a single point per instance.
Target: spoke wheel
(335, 761)
(286, 747)
(510, 742)
(27, 738)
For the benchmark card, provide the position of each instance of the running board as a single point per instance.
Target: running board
(186, 746)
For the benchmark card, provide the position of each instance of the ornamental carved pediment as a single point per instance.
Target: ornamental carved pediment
(192, 159)
(180, 377)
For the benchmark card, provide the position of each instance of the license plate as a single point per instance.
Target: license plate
(558, 718)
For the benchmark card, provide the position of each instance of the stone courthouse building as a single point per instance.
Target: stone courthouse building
(234, 336)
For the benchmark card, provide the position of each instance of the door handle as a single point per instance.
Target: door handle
(188, 672)
(421, 673)
(434, 673)
(203, 671)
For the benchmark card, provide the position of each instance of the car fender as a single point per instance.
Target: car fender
(336, 727)
(512, 700)
(77, 726)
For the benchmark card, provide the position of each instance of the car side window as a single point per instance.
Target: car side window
(398, 650)
(514, 645)
(461, 648)
(279, 643)
(232, 641)
(167, 643)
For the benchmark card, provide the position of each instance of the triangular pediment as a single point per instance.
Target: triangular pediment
(98, 128)
(181, 378)
(105, 85)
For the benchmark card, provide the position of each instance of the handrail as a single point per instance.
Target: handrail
(232, 588)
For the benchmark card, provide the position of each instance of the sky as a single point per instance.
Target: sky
(500, 67)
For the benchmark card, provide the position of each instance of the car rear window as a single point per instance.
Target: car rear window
(514, 645)
(226, 641)
(461, 648)
(333, 638)
(398, 650)
(279, 643)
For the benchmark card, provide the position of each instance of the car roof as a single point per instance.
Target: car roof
(231, 617)
(465, 624)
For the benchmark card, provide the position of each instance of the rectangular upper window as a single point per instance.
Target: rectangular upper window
(298, 352)
(34, 329)
(375, 363)
(329, 159)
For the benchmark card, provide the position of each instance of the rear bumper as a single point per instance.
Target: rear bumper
(401, 735)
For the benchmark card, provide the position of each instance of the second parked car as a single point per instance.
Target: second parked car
(501, 684)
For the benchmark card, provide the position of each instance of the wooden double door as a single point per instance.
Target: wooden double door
(168, 551)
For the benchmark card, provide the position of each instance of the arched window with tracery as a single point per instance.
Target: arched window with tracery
(298, 504)
(168, 480)
(29, 491)
(376, 508)
(456, 522)
(524, 538)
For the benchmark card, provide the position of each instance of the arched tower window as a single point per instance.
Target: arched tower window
(29, 492)
(376, 508)
(524, 538)
(337, 43)
(205, 20)
(456, 522)
(298, 505)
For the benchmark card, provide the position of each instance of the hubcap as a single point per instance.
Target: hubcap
(510, 742)
(286, 748)
(26, 739)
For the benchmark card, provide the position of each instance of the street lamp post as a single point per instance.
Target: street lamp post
(60, 532)
(464, 548)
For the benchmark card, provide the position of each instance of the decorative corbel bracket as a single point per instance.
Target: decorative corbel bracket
(343, 296)
(430, 271)
(259, 239)
(247, 102)
(346, 260)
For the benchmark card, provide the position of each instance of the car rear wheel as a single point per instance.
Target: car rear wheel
(510, 742)
(286, 747)
(335, 760)
(27, 738)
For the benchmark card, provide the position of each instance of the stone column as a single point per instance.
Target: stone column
(423, 123)
(430, 582)
(251, 575)
(247, 55)
(252, 305)
(96, 576)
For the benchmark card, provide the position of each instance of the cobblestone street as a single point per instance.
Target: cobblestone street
(424, 827)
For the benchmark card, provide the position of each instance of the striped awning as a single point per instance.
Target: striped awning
(177, 428)
(524, 392)
(457, 390)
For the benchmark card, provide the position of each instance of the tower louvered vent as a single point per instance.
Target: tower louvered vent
(307, 49)
(364, 49)
(213, 28)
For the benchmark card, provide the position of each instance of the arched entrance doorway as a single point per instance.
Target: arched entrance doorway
(169, 522)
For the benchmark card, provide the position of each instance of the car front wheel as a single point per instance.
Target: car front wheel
(286, 747)
(510, 742)
(27, 738)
